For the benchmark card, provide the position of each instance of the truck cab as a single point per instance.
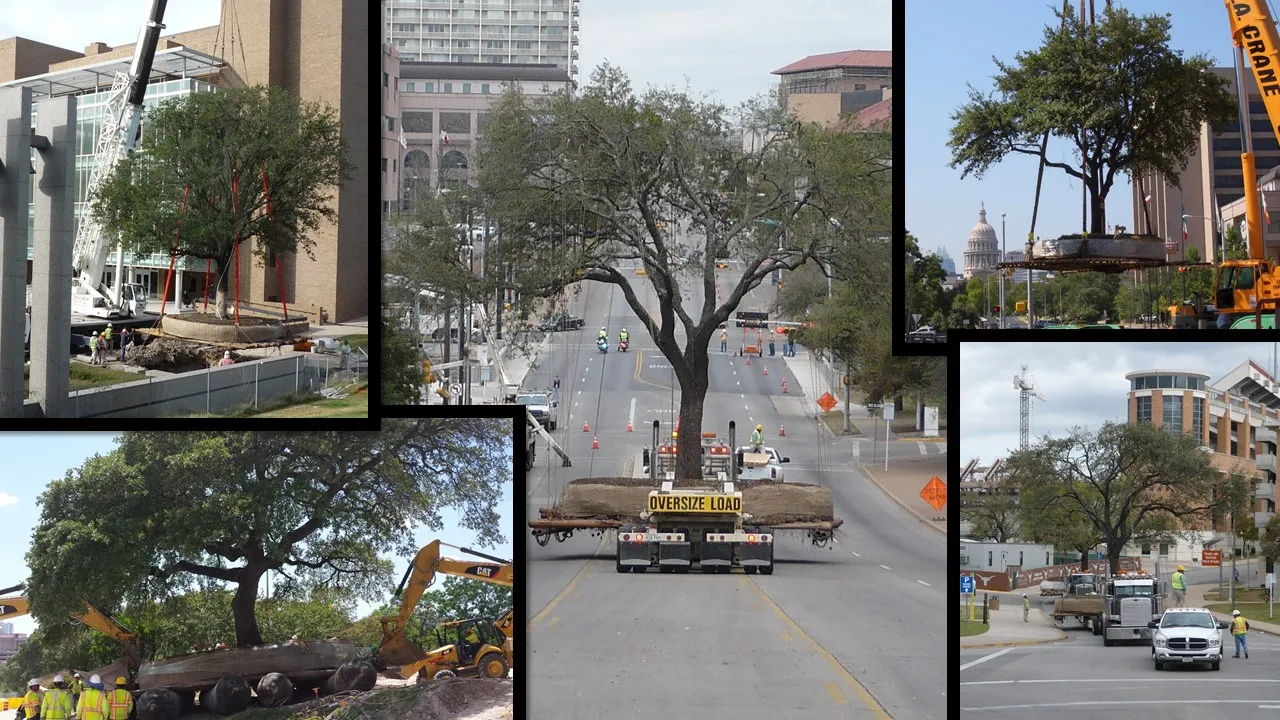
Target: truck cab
(763, 465)
(540, 406)
(1132, 602)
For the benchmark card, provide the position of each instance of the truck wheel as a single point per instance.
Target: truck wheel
(639, 568)
(1095, 626)
(749, 569)
(707, 569)
(724, 569)
(623, 568)
(553, 426)
(1214, 666)
(683, 569)
(1106, 640)
(766, 569)
(664, 569)
(1159, 666)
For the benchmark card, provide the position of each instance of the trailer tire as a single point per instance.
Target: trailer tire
(725, 569)
(664, 568)
(639, 568)
(766, 569)
(749, 569)
(622, 568)
(707, 569)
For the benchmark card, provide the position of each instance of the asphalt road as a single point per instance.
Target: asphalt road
(853, 630)
(1080, 679)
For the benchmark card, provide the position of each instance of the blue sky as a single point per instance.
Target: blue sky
(35, 459)
(950, 46)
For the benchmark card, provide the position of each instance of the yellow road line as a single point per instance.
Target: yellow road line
(639, 365)
(834, 691)
(858, 689)
(567, 588)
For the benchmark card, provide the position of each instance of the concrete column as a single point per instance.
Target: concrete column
(15, 197)
(55, 234)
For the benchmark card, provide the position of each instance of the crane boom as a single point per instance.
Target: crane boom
(119, 136)
(91, 616)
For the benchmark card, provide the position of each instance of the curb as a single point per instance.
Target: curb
(1015, 643)
(930, 523)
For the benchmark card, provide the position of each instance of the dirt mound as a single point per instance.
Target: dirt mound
(767, 502)
(455, 699)
(175, 356)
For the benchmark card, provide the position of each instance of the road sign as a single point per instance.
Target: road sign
(826, 402)
(915, 318)
(888, 411)
(455, 389)
(935, 493)
(966, 584)
(876, 406)
(1210, 558)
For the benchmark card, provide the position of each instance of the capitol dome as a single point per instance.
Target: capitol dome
(983, 251)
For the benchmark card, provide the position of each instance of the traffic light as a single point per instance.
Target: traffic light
(427, 375)
(1021, 306)
(846, 380)
(996, 309)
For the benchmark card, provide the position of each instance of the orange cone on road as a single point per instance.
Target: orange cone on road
(784, 385)
(748, 359)
(782, 431)
(629, 426)
(595, 443)
(584, 427)
(766, 370)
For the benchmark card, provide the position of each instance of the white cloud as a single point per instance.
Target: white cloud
(7, 499)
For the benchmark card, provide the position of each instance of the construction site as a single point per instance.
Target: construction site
(408, 657)
(189, 311)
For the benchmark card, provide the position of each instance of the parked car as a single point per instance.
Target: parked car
(562, 322)
(1187, 636)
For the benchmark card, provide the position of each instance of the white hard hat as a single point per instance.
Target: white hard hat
(57, 678)
(1024, 594)
(94, 680)
(95, 332)
(1235, 612)
(226, 354)
(33, 681)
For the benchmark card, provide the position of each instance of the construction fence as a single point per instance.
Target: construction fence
(220, 389)
(1012, 578)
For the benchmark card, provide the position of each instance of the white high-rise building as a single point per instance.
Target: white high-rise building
(983, 252)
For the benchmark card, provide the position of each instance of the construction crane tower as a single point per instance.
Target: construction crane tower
(1027, 389)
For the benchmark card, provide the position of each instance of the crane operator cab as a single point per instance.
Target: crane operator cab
(1240, 284)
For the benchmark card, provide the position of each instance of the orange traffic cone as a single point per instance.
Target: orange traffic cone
(595, 443)
(766, 370)
(748, 359)
(784, 385)
(629, 426)
(782, 431)
(584, 427)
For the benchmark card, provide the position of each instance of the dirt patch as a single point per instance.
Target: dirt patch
(907, 477)
(175, 356)
(457, 699)
(767, 502)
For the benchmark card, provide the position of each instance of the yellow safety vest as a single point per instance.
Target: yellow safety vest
(31, 703)
(1238, 625)
(93, 705)
(119, 703)
(472, 637)
(1179, 582)
(57, 705)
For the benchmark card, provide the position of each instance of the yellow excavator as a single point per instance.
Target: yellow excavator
(18, 605)
(455, 656)
(1246, 288)
(403, 658)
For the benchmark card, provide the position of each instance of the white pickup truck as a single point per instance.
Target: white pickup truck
(764, 465)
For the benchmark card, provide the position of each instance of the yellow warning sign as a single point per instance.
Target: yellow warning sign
(695, 504)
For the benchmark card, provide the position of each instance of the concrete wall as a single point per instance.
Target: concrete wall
(214, 390)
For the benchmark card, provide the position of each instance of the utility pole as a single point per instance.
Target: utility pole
(1002, 257)
(846, 396)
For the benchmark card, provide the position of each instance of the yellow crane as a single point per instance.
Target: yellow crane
(18, 605)
(404, 657)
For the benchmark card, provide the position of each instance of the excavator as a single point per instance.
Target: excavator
(403, 658)
(1245, 289)
(93, 617)
(454, 656)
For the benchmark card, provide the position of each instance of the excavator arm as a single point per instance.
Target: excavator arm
(396, 648)
(91, 616)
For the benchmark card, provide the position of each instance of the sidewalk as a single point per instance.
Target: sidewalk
(1007, 627)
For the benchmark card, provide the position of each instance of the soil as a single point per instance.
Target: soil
(175, 356)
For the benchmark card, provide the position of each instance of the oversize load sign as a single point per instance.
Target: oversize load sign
(695, 503)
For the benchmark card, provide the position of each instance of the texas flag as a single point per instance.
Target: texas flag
(403, 144)
(1266, 216)
(444, 137)
(1183, 213)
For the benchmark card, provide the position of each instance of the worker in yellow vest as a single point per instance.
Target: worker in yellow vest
(31, 701)
(1179, 586)
(93, 701)
(57, 702)
(119, 701)
(1239, 626)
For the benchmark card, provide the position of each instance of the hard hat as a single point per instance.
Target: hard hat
(1235, 612)
(33, 681)
(1024, 594)
(1179, 568)
(226, 354)
(75, 674)
(108, 324)
(120, 680)
(95, 332)
(57, 678)
(759, 427)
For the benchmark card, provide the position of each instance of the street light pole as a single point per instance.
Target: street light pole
(1002, 258)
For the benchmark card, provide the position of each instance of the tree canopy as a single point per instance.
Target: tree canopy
(1125, 101)
(315, 508)
(201, 164)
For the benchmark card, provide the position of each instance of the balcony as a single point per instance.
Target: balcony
(1267, 462)
(1265, 434)
(1264, 491)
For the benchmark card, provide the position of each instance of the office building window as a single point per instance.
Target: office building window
(484, 88)
(408, 87)
(1197, 419)
(448, 87)
(1173, 413)
(466, 88)
(431, 87)
(1144, 409)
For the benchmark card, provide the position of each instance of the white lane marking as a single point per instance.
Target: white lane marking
(985, 658)
(924, 583)
(1108, 680)
(632, 417)
(923, 451)
(1270, 707)
(856, 555)
(1104, 702)
(857, 451)
(886, 567)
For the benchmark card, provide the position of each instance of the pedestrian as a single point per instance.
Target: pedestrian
(1026, 608)
(345, 351)
(555, 382)
(93, 701)
(106, 348)
(226, 359)
(124, 344)
(791, 338)
(1179, 586)
(31, 701)
(75, 688)
(759, 343)
(724, 340)
(770, 344)
(93, 349)
(756, 440)
(119, 701)
(1239, 626)
(57, 703)
(1235, 572)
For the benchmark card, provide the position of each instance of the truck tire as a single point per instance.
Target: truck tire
(639, 568)
(766, 569)
(749, 569)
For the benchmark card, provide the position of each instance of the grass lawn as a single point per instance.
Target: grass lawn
(835, 421)
(972, 628)
(1250, 610)
(355, 405)
(84, 377)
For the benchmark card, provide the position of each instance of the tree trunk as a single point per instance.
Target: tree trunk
(244, 608)
(1097, 207)
(692, 376)
(1084, 559)
(220, 304)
